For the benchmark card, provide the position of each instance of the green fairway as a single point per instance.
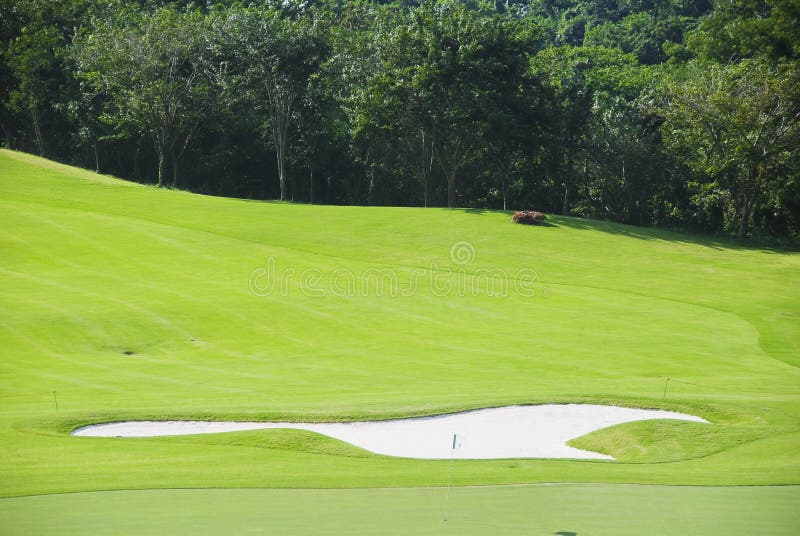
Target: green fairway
(125, 301)
(561, 509)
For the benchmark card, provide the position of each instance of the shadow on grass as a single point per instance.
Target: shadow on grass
(651, 233)
(482, 211)
(542, 224)
(654, 233)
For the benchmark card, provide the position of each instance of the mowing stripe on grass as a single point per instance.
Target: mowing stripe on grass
(579, 509)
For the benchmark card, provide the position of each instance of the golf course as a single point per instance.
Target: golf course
(126, 302)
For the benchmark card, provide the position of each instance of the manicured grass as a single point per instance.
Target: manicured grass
(92, 268)
(562, 509)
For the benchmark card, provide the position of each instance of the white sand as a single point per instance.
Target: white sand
(507, 432)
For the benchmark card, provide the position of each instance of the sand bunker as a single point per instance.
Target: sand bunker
(507, 432)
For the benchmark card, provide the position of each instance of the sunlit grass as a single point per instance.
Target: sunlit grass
(123, 301)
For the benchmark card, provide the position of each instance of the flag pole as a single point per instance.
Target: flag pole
(449, 478)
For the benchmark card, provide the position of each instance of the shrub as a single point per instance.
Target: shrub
(529, 217)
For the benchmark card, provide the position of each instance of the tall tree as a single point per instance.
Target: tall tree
(269, 58)
(473, 66)
(34, 80)
(738, 125)
(149, 66)
(33, 59)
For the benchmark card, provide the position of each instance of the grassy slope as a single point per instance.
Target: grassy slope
(92, 267)
(564, 509)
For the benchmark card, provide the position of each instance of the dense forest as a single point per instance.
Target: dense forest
(674, 113)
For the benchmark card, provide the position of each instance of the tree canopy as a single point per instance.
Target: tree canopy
(650, 112)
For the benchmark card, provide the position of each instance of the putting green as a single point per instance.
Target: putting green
(122, 301)
(562, 509)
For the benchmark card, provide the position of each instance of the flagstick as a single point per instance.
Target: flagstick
(449, 478)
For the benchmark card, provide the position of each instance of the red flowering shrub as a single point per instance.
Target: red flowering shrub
(529, 217)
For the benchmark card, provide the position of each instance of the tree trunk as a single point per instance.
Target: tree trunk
(96, 158)
(8, 132)
(568, 179)
(625, 216)
(451, 159)
(290, 180)
(161, 168)
(311, 186)
(37, 130)
(451, 189)
(427, 165)
(175, 167)
(281, 160)
(137, 170)
(281, 115)
(371, 187)
(745, 221)
(161, 143)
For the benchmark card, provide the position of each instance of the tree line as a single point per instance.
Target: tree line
(674, 113)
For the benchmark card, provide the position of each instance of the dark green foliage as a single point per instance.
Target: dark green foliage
(650, 112)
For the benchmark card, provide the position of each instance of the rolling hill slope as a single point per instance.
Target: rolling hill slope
(125, 301)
